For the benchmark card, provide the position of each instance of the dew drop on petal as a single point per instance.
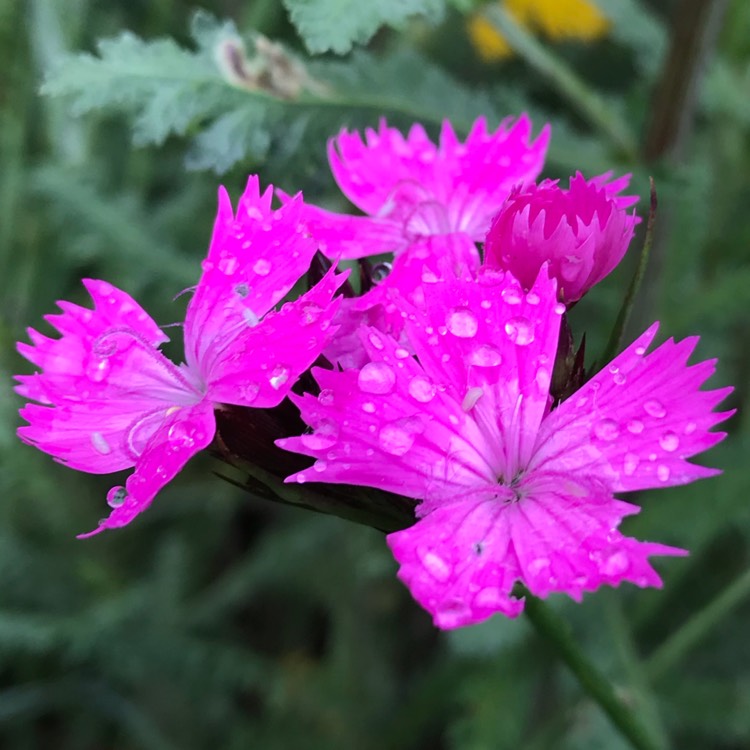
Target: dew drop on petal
(98, 369)
(401, 353)
(559, 308)
(320, 465)
(662, 472)
(669, 441)
(116, 496)
(181, 435)
(630, 464)
(395, 439)
(511, 295)
(607, 429)
(376, 341)
(376, 377)
(520, 331)
(462, 323)
(100, 443)
(654, 408)
(325, 436)
(279, 376)
(543, 379)
(262, 267)
(228, 265)
(690, 428)
(421, 389)
(615, 564)
(368, 407)
(435, 565)
(325, 398)
(533, 298)
(635, 426)
(300, 479)
(485, 356)
(310, 313)
(249, 391)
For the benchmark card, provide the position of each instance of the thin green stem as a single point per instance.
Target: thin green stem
(674, 649)
(564, 80)
(618, 331)
(557, 632)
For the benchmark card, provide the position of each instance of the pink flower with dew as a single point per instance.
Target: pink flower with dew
(411, 188)
(581, 232)
(109, 400)
(510, 490)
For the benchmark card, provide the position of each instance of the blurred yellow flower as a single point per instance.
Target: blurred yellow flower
(556, 19)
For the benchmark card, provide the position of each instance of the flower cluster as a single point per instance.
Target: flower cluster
(433, 383)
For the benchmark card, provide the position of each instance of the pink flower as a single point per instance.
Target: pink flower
(110, 400)
(510, 489)
(582, 233)
(411, 189)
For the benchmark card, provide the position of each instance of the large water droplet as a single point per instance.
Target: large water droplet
(512, 295)
(520, 331)
(533, 298)
(181, 435)
(462, 323)
(376, 341)
(435, 565)
(395, 438)
(635, 426)
(654, 408)
(262, 267)
(368, 407)
(421, 389)
(401, 353)
(249, 391)
(279, 376)
(100, 443)
(228, 265)
(607, 429)
(485, 356)
(116, 496)
(669, 441)
(325, 436)
(320, 466)
(376, 377)
(326, 397)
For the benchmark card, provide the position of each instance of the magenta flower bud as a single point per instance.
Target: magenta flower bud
(582, 232)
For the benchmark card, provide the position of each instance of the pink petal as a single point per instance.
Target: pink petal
(265, 360)
(254, 260)
(182, 433)
(461, 562)
(103, 383)
(638, 420)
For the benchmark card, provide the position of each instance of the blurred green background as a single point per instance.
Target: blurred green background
(219, 620)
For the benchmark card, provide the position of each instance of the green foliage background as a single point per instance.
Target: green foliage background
(220, 620)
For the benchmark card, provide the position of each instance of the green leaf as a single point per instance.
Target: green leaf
(336, 25)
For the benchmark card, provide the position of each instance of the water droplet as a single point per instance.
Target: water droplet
(279, 376)
(520, 331)
(395, 438)
(690, 428)
(559, 308)
(376, 341)
(401, 353)
(635, 426)
(472, 396)
(435, 565)
(618, 378)
(228, 265)
(630, 464)
(179, 434)
(536, 566)
(669, 441)
(462, 323)
(662, 472)
(116, 496)
(250, 317)
(421, 389)
(607, 429)
(543, 379)
(300, 478)
(249, 391)
(376, 377)
(100, 444)
(654, 408)
(640, 350)
(262, 267)
(369, 407)
(325, 436)
(310, 313)
(320, 466)
(533, 298)
(615, 564)
(326, 397)
(98, 369)
(512, 295)
(485, 356)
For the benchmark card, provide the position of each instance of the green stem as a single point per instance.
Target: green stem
(557, 632)
(697, 628)
(615, 339)
(564, 80)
